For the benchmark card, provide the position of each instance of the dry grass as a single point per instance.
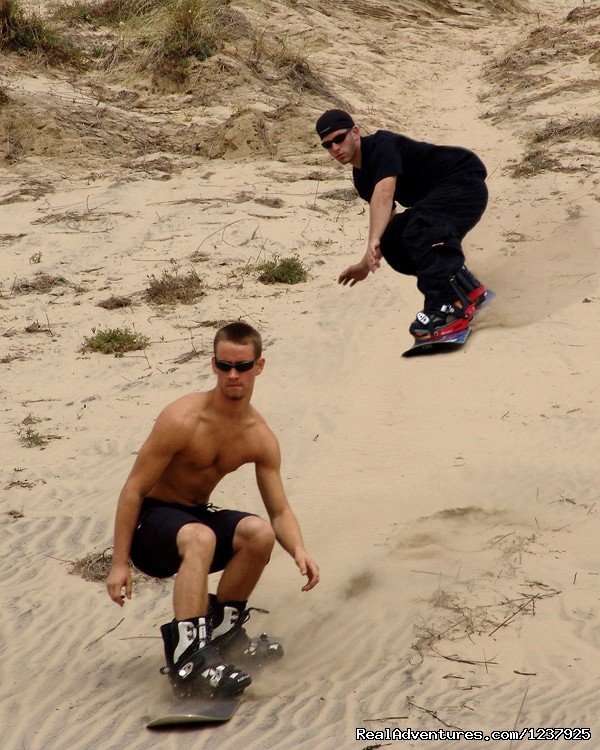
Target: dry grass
(115, 302)
(41, 283)
(31, 438)
(534, 162)
(96, 566)
(538, 158)
(582, 129)
(172, 289)
(110, 12)
(177, 35)
(583, 13)
(545, 48)
(93, 567)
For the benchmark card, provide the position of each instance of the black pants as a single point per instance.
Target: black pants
(425, 240)
(154, 545)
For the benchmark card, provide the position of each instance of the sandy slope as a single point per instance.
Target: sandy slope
(451, 501)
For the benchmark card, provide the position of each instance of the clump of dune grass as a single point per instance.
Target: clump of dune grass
(115, 341)
(182, 32)
(172, 288)
(28, 33)
(96, 566)
(538, 158)
(279, 270)
(93, 567)
(31, 438)
(535, 161)
(115, 302)
(41, 283)
(582, 129)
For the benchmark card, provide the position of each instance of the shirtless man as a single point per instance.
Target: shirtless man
(166, 524)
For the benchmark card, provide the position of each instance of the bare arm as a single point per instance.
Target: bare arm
(283, 519)
(154, 456)
(381, 210)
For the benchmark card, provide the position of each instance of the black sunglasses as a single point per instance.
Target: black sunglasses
(338, 139)
(221, 364)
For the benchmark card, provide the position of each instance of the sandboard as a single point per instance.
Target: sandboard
(449, 342)
(196, 710)
(441, 344)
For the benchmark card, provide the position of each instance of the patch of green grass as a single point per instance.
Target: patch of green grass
(171, 289)
(282, 270)
(115, 341)
(21, 32)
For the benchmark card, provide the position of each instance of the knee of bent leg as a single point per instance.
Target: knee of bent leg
(196, 539)
(256, 534)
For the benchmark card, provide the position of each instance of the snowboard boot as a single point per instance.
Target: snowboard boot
(229, 636)
(442, 321)
(471, 286)
(194, 664)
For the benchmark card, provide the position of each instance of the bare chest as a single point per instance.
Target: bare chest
(220, 452)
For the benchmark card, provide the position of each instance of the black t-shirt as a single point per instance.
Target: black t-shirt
(418, 166)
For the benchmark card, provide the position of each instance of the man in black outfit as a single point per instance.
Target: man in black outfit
(443, 191)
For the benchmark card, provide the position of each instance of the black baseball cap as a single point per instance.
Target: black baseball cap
(332, 120)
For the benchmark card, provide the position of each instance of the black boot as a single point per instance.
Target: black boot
(471, 286)
(194, 664)
(230, 638)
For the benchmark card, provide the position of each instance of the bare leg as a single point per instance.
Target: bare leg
(252, 546)
(196, 545)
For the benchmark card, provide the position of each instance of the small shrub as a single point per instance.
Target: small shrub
(171, 289)
(282, 271)
(115, 341)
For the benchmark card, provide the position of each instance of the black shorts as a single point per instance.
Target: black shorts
(154, 546)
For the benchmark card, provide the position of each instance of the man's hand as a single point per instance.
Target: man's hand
(354, 273)
(373, 255)
(309, 568)
(119, 577)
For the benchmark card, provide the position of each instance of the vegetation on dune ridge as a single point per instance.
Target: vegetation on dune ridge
(28, 33)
